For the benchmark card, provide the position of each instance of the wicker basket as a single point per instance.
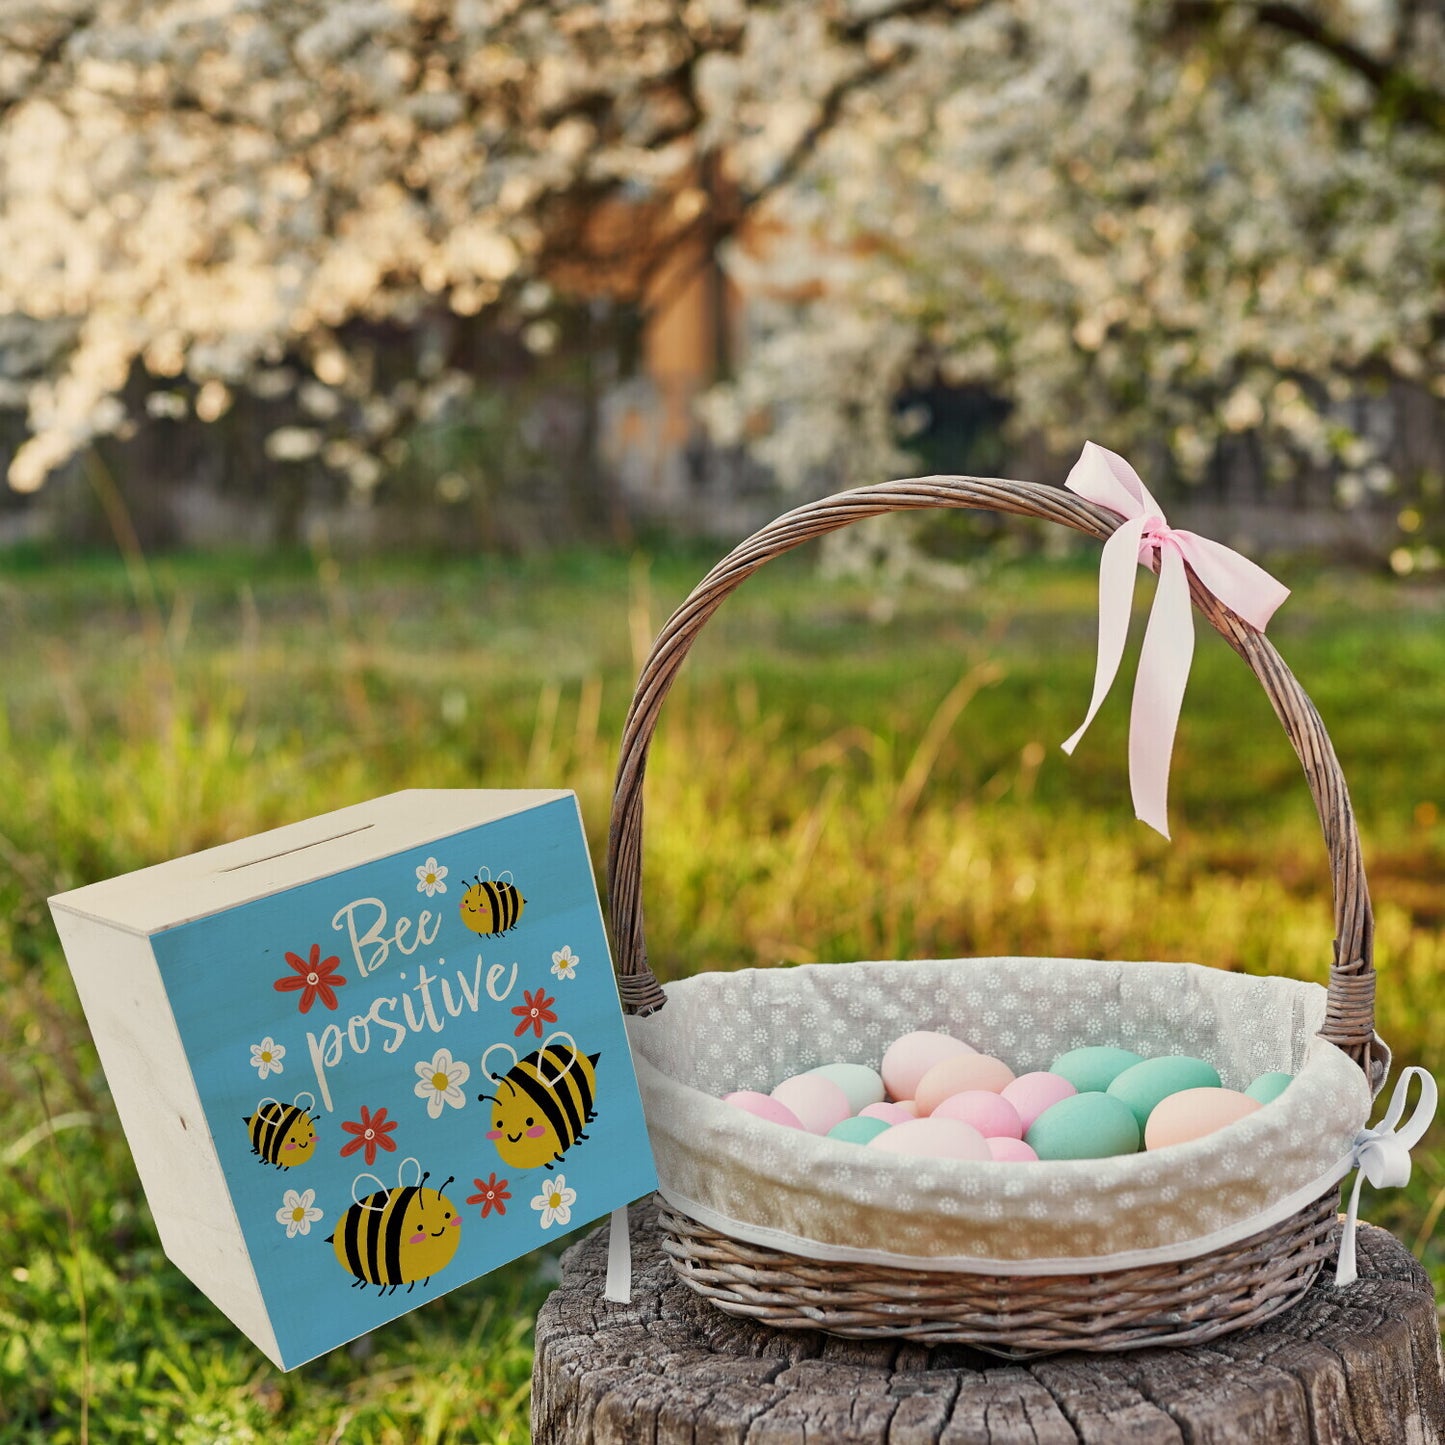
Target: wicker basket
(1182, 1302)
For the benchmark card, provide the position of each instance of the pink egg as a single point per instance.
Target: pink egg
(764, 1107)
(991, 1114)
(909, 1058)
(955, 1075)
(933, 1139)
(1011, 1151)
(1031, 1094)
(818, 1102)
(889, 1113)
(1193, 1113)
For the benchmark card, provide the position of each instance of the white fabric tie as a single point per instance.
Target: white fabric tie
(1382, 1155)
(619, 1259)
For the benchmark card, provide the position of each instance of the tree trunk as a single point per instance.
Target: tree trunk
(1361, 1365)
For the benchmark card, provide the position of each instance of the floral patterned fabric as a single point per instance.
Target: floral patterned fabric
(751, 1029)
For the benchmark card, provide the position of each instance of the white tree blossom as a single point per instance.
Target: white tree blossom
(1131, 230)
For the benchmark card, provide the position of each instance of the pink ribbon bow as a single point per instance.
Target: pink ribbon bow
(1249, 591)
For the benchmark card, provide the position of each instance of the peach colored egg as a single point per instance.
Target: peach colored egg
(991, 1114)
(1032, 1093)
(963, 1071)
(1193, 1113)
(909, 1107)
(818, 1102)
(1010, 1151)
(933, 1139)
(889, 1113)
(764, 1106)
(909, 1058)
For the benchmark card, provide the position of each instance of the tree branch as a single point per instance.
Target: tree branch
(830, 111)
(830, 108)
(723, 216)
(46, 57)
(1402, 95)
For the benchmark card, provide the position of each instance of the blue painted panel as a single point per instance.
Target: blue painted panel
(367, 1001)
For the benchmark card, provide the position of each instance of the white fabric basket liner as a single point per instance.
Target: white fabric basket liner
(820, 1198)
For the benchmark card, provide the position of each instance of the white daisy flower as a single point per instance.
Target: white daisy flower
(555, 1201)
(298, 1212)
(564, 962)
(429, 878)
(439, 1081)
(266, 1057)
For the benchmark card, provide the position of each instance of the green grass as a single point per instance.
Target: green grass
(836, 777)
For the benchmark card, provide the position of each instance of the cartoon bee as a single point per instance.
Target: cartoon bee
(283, 1134)
(542, 1102)
(492, 905)
(395, 1237)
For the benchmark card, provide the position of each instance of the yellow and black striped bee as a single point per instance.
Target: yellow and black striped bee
(395, 1237)
(542, 1103)
(283, 1134)
(492, 905)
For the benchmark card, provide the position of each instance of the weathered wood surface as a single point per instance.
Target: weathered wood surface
(1359, 1365)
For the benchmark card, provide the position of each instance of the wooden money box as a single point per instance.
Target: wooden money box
(364, 1058)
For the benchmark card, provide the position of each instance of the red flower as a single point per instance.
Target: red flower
(493, 1192)
(312, 977)
(370, 1134)
(535, 1012)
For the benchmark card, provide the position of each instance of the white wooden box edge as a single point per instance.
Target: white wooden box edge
(150, 1079)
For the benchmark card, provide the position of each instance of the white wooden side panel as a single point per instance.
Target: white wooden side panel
(140, 1049)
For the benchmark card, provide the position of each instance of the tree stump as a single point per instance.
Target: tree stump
(1361, 1364)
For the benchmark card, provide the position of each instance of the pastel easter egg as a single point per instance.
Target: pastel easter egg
(1268, 1087)
(991, 1114)
(857, 1131)
(1084, 1126)
(961, 1072)
(933, 1139)
(1193, 1113)
(1031, 1094)
(907, 1059)
(1143, 1086)
(1091, 1070)
(819, 1103)
(1010, 1151)
(862, 1085)
(764, 1106)
(888, 1113)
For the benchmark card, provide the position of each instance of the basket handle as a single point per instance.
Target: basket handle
(1350, 1011)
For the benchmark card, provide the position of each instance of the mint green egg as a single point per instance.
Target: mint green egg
(1268, 1087)
(862, 1085)
(1093, 1069)
(857, 1131)
(1084, 1126)
(1144, 1085)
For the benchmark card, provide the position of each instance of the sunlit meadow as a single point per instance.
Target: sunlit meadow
(839, 774)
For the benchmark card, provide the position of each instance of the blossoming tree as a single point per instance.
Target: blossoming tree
(1176, 225)
(1180, 223)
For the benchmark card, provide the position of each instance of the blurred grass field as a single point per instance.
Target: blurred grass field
(839, 774)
